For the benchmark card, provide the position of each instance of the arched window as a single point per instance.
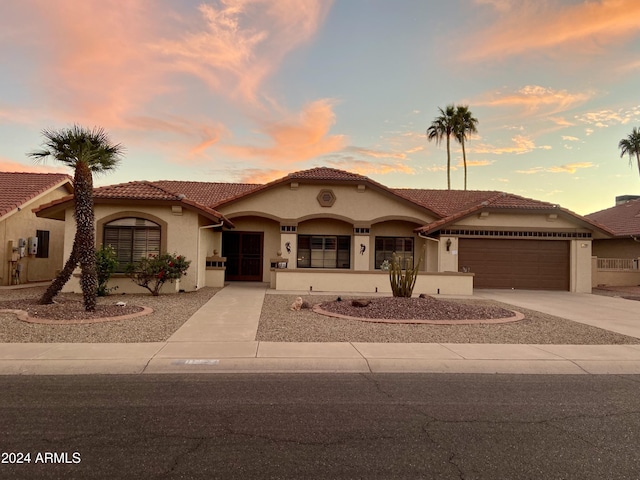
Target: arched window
(132, 238)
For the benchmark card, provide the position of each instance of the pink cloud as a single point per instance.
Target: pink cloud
(255, 175)
(364, 167)
(239, 43)
(297, 138)
(542, 25)
(7, 165)
(105, 62)
(535, 98)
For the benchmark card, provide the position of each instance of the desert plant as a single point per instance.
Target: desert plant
(106, 264)
(403, 281)
(154, 271)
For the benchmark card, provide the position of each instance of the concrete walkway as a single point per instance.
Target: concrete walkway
(220, 337)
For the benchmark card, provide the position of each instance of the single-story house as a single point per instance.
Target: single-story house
(618, 257)
(30, 246)
(328, 229)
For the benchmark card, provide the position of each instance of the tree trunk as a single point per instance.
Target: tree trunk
(448, 163)
(62, 278)
(464, 161)
(85, 234)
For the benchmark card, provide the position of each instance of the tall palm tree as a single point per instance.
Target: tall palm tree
(465, 124)
(631, 146)
(443, 127)
(87, 152)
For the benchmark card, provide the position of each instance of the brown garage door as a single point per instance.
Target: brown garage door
(522, 264)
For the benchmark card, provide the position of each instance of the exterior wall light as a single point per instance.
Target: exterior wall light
(448, 244)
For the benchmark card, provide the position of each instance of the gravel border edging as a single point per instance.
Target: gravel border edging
(515, 318)
(24, 317)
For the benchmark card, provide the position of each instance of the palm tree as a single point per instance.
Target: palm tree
(631, 146)
(443, 127)
(465, 124)
(87, 152)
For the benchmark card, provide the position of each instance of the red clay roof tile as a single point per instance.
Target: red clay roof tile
(623, 220)
(17, 188)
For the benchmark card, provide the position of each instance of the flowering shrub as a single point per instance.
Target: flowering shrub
(106, 264)
(153, 271)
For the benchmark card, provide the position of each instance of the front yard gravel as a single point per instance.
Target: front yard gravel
(170, 311)
(280, 324)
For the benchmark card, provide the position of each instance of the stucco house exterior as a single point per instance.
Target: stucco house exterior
(31, 247)
(328, 229)
(617, 259)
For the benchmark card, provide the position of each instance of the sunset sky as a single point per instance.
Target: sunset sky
(250, 90)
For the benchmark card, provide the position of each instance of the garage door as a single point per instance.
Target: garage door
(522, 264)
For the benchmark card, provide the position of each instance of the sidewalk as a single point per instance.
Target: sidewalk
(219, 338)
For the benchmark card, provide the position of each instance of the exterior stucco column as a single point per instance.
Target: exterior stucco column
(361, 245)
(289, 248)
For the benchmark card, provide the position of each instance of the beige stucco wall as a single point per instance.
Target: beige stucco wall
(23, 224)
(369, 282)
(580, 265)
(366, 206)
(504, 221)
(179, 237)
(616, 248)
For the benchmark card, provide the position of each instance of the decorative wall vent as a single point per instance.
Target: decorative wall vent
(326, 198)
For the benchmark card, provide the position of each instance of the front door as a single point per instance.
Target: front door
(244, 255)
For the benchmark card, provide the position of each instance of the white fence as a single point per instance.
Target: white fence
(617, 264)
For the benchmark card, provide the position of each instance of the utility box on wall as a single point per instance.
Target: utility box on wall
(32, 245)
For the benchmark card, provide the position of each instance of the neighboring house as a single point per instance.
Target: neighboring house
(31, 248)
(327, 229)
(618, 256)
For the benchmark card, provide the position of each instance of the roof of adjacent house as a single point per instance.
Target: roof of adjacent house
(446, 205)
(18, 188)
(623, 220)
(137, 191)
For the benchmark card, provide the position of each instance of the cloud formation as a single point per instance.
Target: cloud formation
(295, 139)
(541, 25)
(535, 99)
(568, 168)
(607, 117)
(521, 144)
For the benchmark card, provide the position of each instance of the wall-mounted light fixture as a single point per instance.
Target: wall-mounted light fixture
(448, 244)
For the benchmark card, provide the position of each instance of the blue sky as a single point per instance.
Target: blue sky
(250, 90)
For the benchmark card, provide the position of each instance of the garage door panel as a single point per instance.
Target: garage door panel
(522, 264)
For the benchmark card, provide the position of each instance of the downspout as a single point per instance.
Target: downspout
(198, 248)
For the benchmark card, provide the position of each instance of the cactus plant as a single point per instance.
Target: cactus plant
(403, 281)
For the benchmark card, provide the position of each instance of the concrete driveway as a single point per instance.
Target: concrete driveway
(610, 313)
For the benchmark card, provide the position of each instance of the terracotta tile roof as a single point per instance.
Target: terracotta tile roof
(135, 191)
(623, 220)
(207, 193)
(17, 188)
(326, 173)
(452, 202)
(445, 202)
(139, 190)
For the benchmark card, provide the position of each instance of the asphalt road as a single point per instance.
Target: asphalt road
(321, 426)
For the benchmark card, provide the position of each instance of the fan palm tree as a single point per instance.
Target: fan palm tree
(443, 127)
(631, 146)
(464, 125)
(87, 152)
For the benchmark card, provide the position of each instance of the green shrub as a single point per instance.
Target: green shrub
(153, 271)
(106, 264)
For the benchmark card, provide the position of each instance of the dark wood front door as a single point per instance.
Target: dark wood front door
(244, 255)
